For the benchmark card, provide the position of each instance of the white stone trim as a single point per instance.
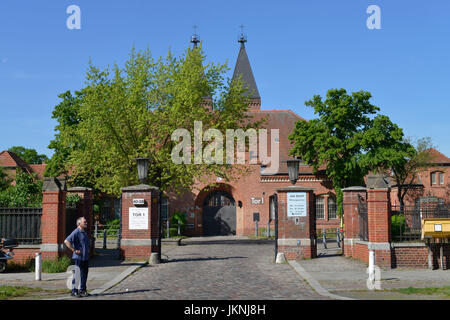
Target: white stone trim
(52, 247)
(139, 242)
(375, 245)
(413, 244)
(293, 242)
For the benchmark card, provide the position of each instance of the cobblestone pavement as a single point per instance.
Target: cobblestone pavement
(226, 268)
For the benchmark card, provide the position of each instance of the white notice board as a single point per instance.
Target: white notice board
(296, 204)
(138, 219)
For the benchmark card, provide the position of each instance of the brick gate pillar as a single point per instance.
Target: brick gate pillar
(351, 218)
(296, 223)
(140, 230)
(53, 220)
(85, 209)
(379, 219)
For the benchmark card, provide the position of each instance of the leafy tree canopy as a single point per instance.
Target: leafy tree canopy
(26, 193)
(349, 138)
(30, 156)
(131, 111)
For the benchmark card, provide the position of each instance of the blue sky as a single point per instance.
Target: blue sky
(296, 49)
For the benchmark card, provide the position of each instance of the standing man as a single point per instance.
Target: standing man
(78, 242)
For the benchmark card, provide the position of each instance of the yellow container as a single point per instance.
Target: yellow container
(435, 228)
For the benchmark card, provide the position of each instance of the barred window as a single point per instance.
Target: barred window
(320, 208)
(332, 208)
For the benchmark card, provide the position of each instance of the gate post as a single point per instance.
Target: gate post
(53, 221)
(379, 218)
(85, 209)
(351, 218)
(296, 223)
(140, 225)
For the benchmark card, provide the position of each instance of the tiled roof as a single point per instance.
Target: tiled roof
(10, 159)
(284, 121)
(437, 157)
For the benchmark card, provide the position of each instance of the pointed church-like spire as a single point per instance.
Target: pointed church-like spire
(243, 68)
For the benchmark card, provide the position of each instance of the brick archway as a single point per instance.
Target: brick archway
(217, 207)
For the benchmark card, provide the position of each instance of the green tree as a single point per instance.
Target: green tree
(349, 138)
(406, 166)
(5, 181)
(66, 113)
(130, 112)
(26, 193)
(30, 156)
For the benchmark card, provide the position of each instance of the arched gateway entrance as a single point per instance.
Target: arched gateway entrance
(219, 214)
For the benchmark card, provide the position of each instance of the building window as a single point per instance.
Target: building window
(320, 208)
(433, 178)
(437, 178)
(332, 208)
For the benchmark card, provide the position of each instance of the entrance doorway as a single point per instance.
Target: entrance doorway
(219, 214)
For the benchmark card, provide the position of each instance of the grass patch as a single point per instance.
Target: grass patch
(427, 291)
(9, 292)
(57, 265)
(48, 266)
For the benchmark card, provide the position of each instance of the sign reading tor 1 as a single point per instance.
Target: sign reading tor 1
(296, 204)
(138, 219)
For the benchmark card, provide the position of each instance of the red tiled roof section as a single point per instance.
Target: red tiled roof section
(284, 121)
(437, 157)
(38, 169)
(10, 159)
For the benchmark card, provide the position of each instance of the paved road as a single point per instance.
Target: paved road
(215, 268)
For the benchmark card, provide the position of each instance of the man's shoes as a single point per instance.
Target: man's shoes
(74, 294)
(83, 294)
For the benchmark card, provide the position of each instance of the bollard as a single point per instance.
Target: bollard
(372, 265)
(324, 237)
(256, 228)
(268, 229)
(338, 237)
(430, 255)
(38, 267)
(96, 229)
(104, 239)
(168, 228)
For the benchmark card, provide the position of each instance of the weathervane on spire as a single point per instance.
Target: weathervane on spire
(195, 39)
(242, 36)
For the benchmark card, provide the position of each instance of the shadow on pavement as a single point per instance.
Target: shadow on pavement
(201, 259)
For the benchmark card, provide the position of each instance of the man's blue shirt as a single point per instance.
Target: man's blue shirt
(80, 241)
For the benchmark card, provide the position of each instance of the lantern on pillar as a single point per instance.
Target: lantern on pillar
(293, 165)
(142, 166)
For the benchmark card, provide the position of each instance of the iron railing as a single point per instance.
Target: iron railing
(407, 223)
(23, 224)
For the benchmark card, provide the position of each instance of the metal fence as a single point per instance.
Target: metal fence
(407, 223)
(23, 224)
(363, 219)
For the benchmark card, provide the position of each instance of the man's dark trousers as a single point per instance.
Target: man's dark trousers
(81, 274)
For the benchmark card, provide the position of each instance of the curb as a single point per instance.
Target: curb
(313, 282)
(117, 279)
(110, 283)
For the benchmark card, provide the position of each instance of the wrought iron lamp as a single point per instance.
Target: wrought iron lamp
(293, 165)
(142, 166)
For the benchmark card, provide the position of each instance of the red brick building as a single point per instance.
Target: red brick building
(434, 182)
(224, 207)
(10, 162)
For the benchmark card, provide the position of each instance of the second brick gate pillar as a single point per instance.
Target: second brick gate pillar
(140, 225)
(296, 223)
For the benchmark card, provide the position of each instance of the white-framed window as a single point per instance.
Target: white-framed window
(441, 178)
(433, 178)
(332, 208)
(320, 208)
